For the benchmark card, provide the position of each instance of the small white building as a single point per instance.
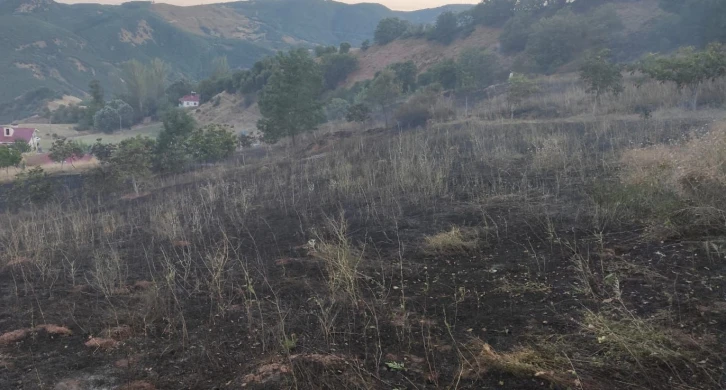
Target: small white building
(189, 101)
(10, 135)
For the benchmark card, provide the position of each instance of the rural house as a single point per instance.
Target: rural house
(191, 100)
(10, 135)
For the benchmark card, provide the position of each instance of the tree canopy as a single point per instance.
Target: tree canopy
(289, 102)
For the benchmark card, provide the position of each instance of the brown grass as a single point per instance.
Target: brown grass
(450, 242)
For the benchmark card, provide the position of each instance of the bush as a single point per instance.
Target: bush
(555, 41)
(336, 68)
(477, 69)
(405, 74)
(446, 28)
(344, 48)
(115, 115)
(422, 107)
(358, 113)
(493, 12)
(336, 109)
(389, 29)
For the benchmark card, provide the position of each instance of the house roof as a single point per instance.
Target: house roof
(25, 134)
(190, 98)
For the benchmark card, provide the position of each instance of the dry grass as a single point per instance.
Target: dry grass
(451, 242)
(341, 259)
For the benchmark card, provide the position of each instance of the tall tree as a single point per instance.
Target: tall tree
(383, 91)
(446, 28)
(289, 103)
(389, 29)
(97, 103)
(477, 69)
(406, 75)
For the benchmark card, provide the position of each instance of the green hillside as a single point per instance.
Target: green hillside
(58, 47)
(326, 22)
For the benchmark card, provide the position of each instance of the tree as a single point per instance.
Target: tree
(212, 143)
(63, 150)
(9, 157)
(383, 91)
(133, 159)
(515, 33)
(358, 113)
(336, 109)
(336, 68)
(493, 12)
(97, 103)
(519, 88)
(145, 85)
(601, 75)
(325, 50)
(389, 29)
(21, 146)
(103, 152)
(555, 41)
(171, 153)
(688, 68)
(220, 67)
(477, 69)
(116, 115)
(445, 73)
(289, 102)
(446, 28)
(365, 45)
(344, 48)
(406, 75)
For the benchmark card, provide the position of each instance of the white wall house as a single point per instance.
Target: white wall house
(189, 101)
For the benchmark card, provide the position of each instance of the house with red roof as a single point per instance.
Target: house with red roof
(10, 135)
(188, 101)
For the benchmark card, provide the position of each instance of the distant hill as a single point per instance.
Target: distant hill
(279, 23)
(52, 49)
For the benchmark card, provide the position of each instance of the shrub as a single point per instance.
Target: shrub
(446, 28)
(336, 68)
(515, 33)
(389, 29)
(477, 69)
(336, 109)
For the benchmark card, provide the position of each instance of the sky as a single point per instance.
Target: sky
(403, 5)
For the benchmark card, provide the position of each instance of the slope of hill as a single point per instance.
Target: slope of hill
(280, 23)
(52, 49)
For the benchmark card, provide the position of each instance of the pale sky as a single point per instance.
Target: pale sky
(404, 5)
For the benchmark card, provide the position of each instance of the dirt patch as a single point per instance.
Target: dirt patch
(14, 336)
(66, 100)
(38, 44)
(422, 52)
(54, 330)
(37, 71)
(79, 65)
(143, 34)
(211, 20)
(228, 109)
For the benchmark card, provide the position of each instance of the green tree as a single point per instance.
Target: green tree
(358, 113)
(406, 75)
(212, 143)
(493, 12)
(365, 45)
(477, 69)
(601, 75)
(103, 152)
(145, 85)
(220, 67)
(384, 91)
(520, 87)
(336, 68)
(688, 68)
(515, 33)
(336, 109)
(325, 50)
(116, 115)
(446, 28)
(9, 157)
(97, 103)
(63, 150)
(446, 74)
(133, 159)
(389, 29)
(171, 154)
(555, 41)
(344, 48)
(289, 102)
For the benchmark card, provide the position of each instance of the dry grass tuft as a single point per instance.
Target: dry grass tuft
(452, 242)
(54, 330)
(521, 362)
(101, 343)
(341, 259)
